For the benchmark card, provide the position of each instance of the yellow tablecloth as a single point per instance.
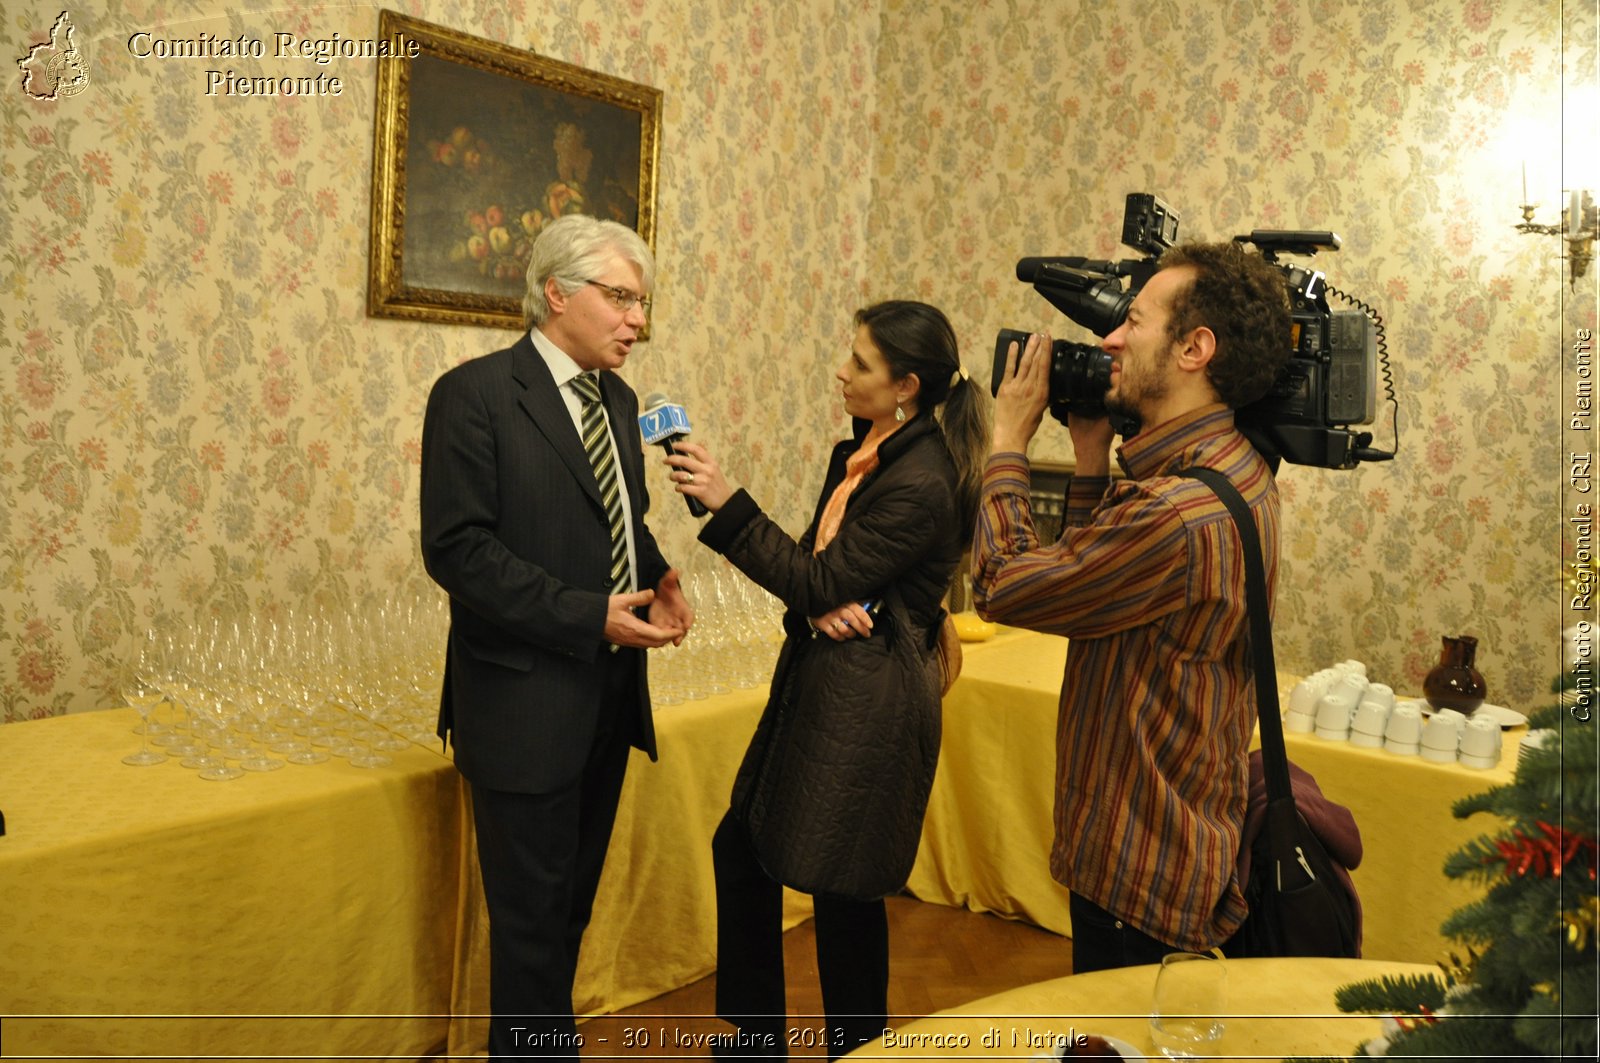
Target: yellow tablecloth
(986, 841)
(335, 903)
(1276, 1009)
(137, 900)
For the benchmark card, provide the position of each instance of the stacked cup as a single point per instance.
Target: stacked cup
(1334, 711)
(1372, 716)
(1302, 717)
(1337, 708)
(1402, 735)
(1480, 743)
(1441, 738)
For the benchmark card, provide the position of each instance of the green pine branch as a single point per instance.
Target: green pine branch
(1394, 995)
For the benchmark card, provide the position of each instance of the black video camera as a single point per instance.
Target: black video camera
(1328, 386)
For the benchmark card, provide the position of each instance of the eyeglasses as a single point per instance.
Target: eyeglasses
(622, 298)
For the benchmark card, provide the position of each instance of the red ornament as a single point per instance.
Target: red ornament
(1547, 856)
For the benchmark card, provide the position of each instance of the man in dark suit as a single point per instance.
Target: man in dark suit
(533, 506)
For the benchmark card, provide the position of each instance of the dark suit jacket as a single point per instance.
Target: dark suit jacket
(514, 530)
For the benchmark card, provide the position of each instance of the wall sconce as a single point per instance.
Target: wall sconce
(1579, 225)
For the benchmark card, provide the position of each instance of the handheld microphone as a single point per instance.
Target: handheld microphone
(665, 422)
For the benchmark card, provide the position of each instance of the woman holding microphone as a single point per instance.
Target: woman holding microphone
(830, 796)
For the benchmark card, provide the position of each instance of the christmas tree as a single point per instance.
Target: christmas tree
(1527, 985)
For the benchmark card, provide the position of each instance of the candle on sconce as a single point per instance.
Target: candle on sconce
(1524, 182)
(1574, 218)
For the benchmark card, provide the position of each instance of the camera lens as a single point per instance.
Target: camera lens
(1080, 373)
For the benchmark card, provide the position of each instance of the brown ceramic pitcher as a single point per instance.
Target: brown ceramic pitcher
(1454, 683)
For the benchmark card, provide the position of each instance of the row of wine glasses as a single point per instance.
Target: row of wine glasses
(298, 686)
(254, 693)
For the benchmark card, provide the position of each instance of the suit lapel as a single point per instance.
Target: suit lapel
(541, 400)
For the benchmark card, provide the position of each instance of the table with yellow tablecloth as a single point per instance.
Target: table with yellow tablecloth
(315, 911)
(305, 911)
(147, 911)
(986, 841)
(1275, 1009)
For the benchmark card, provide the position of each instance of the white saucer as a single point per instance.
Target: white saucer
(1506, 718)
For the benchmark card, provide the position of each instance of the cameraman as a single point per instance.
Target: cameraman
(1147, 580)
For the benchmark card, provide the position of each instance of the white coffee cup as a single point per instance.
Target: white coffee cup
(1333, 714)
(1480, 744)
(1306, 693)
(1441, 738)
(1403, 733)
(1366, 730)
(1302, 715)
(1380, 692)
(1354, 683)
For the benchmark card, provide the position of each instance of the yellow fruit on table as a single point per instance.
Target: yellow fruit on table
(971, 627)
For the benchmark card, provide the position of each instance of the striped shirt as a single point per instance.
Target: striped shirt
(1158, 699)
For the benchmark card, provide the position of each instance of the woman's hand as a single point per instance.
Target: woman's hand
(848, 621)
(695, 473)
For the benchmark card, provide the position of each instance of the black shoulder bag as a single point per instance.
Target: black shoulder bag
(1297, 907)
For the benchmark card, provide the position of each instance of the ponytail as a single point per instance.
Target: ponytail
(964, 417)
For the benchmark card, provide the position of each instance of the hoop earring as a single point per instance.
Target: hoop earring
(899, 414)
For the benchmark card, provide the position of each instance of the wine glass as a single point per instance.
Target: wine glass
(245, 675)
(1191, 996)
(257, 702)
(712, 626)
(222, 712)
(355, 675)
(320, 663)
(209, 700)
(168, 660)
(142, 690)
(287, 673)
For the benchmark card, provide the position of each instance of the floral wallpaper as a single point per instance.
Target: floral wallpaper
(197, 416)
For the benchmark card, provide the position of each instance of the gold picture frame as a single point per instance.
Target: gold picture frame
(476, 146)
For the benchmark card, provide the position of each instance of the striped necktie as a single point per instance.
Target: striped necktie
(597, 444)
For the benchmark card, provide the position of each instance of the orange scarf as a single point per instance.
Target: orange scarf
(857, 467)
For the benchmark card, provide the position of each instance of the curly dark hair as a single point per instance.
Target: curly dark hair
(1241, 298)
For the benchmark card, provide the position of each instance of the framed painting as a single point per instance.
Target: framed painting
(477, 146)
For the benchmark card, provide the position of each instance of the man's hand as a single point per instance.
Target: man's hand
(1091, 444)
(1024, 393)
(625, 629)
(671, 609)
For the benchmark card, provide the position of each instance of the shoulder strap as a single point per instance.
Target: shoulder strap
(1274, 758)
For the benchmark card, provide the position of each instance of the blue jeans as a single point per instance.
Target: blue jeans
(1101, 941)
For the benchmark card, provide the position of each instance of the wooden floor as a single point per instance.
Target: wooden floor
(938, 957)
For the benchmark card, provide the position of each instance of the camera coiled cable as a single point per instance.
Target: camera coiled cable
(1365, 452)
